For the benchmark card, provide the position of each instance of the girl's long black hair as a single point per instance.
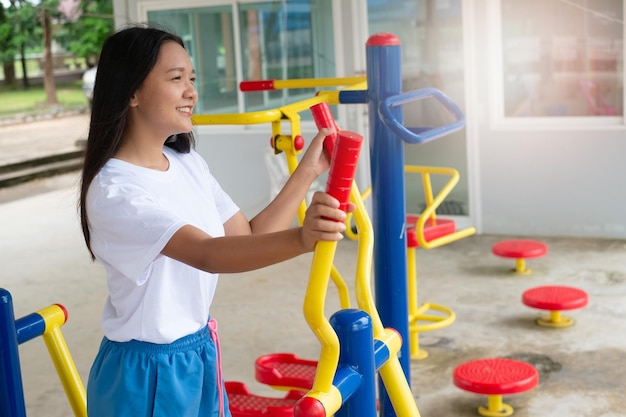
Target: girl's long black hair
(126, 59)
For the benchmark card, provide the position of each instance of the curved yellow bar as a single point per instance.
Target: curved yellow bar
(349, 233)
(391, 372)
(314, 302)
(54, 317)
(433, 203)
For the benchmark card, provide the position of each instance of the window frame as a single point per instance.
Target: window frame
(498, 119)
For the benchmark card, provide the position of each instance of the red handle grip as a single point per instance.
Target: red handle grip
(343, 166)
(261, 85)
(323, 118)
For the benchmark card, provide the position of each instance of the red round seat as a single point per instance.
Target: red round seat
(495, 377)
(520, 250)
(555, 298)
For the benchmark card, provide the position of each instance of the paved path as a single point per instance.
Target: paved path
(24, 141)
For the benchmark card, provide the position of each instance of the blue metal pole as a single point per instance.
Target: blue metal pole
(11, 388)
(354, 329)
(384, 79)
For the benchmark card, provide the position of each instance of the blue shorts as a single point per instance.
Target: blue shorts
(141, 379)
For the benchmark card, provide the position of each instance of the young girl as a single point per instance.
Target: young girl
(160, 224)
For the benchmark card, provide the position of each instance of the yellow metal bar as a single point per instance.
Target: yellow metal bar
(362, 285)
(398, 389)
(313, 308)
(54, 318)
(265, 116)
(286, 145)
(391, 372)
(428, 192)
(414, 346)
(555, 316)
(494, 403)
(317, 82)
(429, 211)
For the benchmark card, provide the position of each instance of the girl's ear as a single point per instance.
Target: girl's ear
(133, 101)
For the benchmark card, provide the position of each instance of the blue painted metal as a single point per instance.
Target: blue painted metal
(420, 135)
(29, 327)
(388, 198)
(353, 96)
(11, 388)
(381, 353)
(354, 329)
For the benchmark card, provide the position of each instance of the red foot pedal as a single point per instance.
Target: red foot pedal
(242, 403)
(432, 229)
(285, 370)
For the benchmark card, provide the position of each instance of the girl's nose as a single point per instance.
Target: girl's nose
(191, 91)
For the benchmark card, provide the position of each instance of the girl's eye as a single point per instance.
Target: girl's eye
(193, 79)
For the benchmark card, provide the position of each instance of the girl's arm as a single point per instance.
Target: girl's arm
(240, 253)
(279, 214)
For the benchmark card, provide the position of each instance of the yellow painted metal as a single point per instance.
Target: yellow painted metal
(556, 319)
(520, 267)
(418, 313)
(318, 82)
(433, 202)
(495, 407)
(322, 268)
(313, 308)
(54, 318)
(265, 116)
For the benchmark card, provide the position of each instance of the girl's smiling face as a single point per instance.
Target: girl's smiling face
(164, 102)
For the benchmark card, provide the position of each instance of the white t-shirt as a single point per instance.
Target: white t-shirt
(133, 212)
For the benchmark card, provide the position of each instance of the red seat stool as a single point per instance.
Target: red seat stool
(555, 298)
(520, 250)
(495, 377)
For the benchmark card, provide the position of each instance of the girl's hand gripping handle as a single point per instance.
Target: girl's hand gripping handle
(343, 149)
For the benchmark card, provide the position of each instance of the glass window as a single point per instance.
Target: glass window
(279, 40)
(284, 41)
(562, 58)
(208, 36)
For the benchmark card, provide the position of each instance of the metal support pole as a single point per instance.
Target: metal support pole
(11, 388)
(388, 199)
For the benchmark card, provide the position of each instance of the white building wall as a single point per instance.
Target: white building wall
(540, 180)
(526, 180)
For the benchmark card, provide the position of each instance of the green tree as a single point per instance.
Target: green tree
(19, 32)
(7, 50)
(84, 36)
(47, 10)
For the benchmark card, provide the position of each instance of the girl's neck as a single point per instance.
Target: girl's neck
(147, 155)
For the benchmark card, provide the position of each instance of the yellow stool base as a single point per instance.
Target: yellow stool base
(421, 354)
(506, 410)
(563, 322)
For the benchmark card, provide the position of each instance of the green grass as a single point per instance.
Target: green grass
(15, 100)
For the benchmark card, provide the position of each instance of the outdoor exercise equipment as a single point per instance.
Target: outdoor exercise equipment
(47, 323)
(385, 322)
(428, 231)
(387, 136)
(495, 377)
(520, 250)
(555, 298)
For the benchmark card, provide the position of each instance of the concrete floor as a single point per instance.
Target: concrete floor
(581, 368)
